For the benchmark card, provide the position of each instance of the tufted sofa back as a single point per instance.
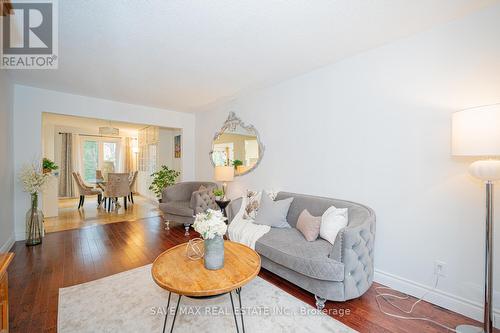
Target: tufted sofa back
(318, 205)
(182, 191)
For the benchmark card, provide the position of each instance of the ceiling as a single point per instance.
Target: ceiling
(183, 54)
(91, 125)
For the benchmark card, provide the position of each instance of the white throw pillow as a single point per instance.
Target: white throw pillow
(332, 221)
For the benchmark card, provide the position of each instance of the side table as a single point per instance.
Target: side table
(222, 205)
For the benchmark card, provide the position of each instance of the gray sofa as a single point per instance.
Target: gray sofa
(180, 202)
(336, 272)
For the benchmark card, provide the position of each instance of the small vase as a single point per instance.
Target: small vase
(214, 253)
(34, 223)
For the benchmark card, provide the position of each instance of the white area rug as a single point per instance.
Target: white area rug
(132, 302)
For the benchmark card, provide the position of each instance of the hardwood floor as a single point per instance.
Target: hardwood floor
(70, 217)
(75, 256)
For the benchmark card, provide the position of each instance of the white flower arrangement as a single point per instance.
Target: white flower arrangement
(210, 224)
(32, 178)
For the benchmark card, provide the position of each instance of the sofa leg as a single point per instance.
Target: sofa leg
(186, 227)
(320, 302)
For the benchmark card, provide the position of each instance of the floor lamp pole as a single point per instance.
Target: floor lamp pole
(488, 271)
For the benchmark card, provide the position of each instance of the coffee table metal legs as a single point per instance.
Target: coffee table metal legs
(166, 312)
(175, 313)
(238, 292)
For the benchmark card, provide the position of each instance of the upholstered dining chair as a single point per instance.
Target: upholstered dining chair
(132, 180)
(117, 186)
(85, 190)
(99, 175)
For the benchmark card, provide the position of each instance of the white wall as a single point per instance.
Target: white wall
(7, 163)
(165, 156)
(375, 128)
(29, 103)
(50, 194)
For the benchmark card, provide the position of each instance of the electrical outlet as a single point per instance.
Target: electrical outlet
(440, 268)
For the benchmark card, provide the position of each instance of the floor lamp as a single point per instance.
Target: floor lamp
(476, 133)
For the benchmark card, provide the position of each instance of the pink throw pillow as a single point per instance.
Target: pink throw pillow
(309, 225)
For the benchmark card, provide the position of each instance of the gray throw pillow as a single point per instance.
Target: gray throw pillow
(273, 213)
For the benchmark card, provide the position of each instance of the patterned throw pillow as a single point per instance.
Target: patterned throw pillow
(253, 202)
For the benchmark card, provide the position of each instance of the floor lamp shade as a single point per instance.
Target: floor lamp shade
(476, 132)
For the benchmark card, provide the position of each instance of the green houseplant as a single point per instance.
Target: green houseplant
(237, 163)
(163, 178)
(49, 165)
(219, 193)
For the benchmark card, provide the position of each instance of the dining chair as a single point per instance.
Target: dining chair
(99, 175)
(117, 186)
(84, 190)
(132, 180)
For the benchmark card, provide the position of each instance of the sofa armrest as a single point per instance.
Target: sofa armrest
(203, 200)
(355, 245)
(233, 208)
(177, 192)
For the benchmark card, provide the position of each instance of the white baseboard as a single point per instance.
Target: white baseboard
(8, 244)
(20, 236)
(443, 299)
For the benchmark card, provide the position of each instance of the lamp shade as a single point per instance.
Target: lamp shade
(476, 132)
(224, 173)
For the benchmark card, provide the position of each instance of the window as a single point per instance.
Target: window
(99, 155)
(223, 153)
(109, 152)
(90, 159)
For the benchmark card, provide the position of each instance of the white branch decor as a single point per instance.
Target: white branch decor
(32, 178)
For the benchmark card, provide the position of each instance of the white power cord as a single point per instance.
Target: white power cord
(401, 296)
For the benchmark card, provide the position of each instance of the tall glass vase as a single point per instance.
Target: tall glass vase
(34, 223)
(214, 253)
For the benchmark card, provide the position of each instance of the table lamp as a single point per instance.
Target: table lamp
(476, 133)
(224, 174)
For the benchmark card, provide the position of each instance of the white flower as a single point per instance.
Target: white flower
(210, 224)
(32, 178)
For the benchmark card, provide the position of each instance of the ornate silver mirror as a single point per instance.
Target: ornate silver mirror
(238, 145)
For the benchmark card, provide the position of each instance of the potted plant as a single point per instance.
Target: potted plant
(163, 178)
(211, 226)
(33, 180)
(237, 163)
(48, 165)
(219, 193)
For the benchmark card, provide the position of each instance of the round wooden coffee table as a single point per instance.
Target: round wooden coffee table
(175, 272)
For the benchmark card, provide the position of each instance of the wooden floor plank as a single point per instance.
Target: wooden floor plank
(75, 256)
